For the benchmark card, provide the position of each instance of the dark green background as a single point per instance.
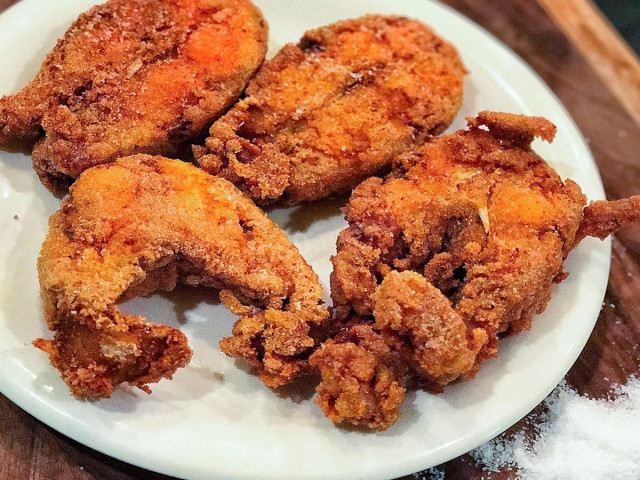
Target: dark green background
(625, 15)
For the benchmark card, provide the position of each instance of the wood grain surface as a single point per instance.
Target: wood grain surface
(31, 450)
(4, 4)
(602, 46)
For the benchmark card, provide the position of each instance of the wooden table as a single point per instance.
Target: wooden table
(31, 450)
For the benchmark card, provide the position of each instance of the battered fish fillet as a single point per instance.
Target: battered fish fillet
(325, 114)
(133, 76)
(459, 246)
(145, 223)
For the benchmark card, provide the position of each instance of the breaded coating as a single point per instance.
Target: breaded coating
(133, 76)
(459, 246)
(145, 223)
(325, 114)
(362, 378)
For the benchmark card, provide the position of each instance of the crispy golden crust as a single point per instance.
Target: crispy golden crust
(458, 246)
(601, 218)
(133, 76)
(144, 223)
(400, 312)
(362, 378)
(334, 109)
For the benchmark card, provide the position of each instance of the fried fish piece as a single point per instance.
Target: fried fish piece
(325, 114)
(133, 76)
(145, 223)
(459, 246)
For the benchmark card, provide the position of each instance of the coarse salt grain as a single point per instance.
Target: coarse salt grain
(431, 474)
(575, 438)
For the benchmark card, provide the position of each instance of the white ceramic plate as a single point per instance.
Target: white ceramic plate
(215, 419)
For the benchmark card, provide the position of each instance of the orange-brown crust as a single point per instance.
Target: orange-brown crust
(600, 218)
(410, 307)
(334, 109)
(362, 378)
(457, 247)
(145, 223)
(133, 76)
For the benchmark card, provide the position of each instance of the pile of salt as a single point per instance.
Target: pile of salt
(576, 438)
